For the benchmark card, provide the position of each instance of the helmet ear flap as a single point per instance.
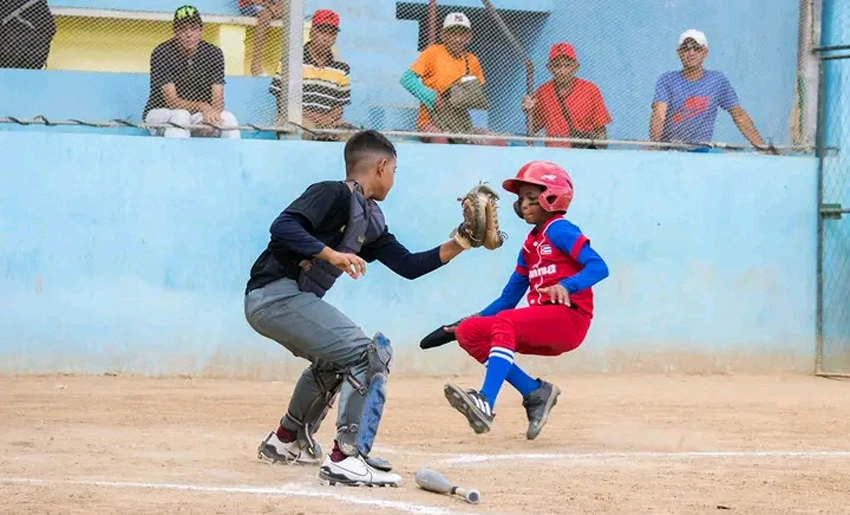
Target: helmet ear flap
(518, 208)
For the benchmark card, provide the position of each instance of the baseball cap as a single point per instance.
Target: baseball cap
(187, 15)
(562, 49)
(694, 34)
(325, 17)
(456, 20)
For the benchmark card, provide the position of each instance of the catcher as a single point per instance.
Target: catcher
(336, 227)
(557, 267)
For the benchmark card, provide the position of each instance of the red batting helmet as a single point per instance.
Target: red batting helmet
(558, 192)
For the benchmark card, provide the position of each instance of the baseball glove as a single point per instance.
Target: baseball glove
(480, 226)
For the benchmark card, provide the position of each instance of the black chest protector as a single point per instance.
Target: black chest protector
(365, 225)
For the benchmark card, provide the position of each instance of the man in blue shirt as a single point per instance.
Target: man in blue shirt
(685, 104)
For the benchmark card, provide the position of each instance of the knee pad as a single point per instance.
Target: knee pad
(372, 388)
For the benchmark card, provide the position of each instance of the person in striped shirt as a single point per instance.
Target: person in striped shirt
(326, 80)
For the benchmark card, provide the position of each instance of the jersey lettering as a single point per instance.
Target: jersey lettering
(539, 272)
(547, 265)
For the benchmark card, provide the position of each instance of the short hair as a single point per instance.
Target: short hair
(365, 143)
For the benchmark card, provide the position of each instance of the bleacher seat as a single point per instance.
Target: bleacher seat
(100, 97)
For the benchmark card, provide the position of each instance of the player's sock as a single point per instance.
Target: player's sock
(285, 435)
(523, 382)
(337, 455)
(498, 365)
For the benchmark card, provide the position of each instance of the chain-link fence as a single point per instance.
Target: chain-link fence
(635, 74)
(834, 199)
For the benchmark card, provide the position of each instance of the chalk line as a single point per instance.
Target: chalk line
(635, 456)
(459, 458)
(284, 490)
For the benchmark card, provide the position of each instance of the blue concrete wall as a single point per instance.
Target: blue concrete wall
(131, 254)
(836, 189)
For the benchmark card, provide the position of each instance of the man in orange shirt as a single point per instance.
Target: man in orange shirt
(440, 66)
(566, 106)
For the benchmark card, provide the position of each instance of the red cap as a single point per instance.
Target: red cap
(562, 49)
(325, 17)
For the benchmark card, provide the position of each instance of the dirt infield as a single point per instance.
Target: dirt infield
(615, 444)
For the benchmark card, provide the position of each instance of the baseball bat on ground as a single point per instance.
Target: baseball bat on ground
(433, 481)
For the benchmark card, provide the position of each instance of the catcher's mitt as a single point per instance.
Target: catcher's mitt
(480, 226)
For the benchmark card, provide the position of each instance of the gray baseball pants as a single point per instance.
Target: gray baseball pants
(312, 329)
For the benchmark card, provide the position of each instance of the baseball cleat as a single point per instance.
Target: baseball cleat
(537, 406)
(355, 471)
(272, 450)
(472, 405)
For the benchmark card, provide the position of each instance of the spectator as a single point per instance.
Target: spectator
(567, 106)
(685, 104)
(439, 72)
(326, 81)
(187, 81)
(26, 32)
(265, 11)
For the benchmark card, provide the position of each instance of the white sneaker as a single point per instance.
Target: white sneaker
(272, 450)
(354, 471)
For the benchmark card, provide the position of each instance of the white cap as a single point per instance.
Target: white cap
(694, 34)
(456, 19)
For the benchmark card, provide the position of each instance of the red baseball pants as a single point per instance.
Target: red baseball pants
(548, 330)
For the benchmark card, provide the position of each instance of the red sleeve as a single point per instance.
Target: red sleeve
(599, 114)
(580, 241)
(537, 113)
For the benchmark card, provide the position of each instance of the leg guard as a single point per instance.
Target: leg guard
(329, 380)
(380, 359)
(368, 403)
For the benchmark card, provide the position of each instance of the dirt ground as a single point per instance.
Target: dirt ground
(615, 444)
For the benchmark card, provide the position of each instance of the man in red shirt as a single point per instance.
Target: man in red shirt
(566, 106)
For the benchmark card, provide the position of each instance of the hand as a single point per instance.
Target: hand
(351, 264)
(211, 115)
(768, 149)
(557, 294)
(451, 328)
(527, 103)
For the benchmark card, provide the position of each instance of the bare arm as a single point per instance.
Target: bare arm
(746, 126)
(529, 105)
(169, 92)
(333, 116)
(601, 133)
(218, 97)
(449, 250)
(656, 120)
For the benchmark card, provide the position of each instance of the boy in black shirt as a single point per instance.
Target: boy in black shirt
(333, 227)
(187, 81)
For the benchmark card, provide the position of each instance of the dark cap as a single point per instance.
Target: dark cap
(187, 15)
